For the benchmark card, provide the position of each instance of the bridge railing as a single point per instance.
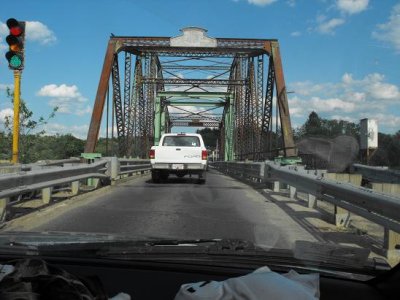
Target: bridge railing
(377, 207)
(68, 177)
(378, 174)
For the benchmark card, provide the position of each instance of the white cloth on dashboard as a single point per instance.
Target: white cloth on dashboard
(261, 284)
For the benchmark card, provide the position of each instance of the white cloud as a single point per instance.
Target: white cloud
(7, 112)
(68, 99)
(385, 91)
(87, 110)
(261, 2)
(384, 119)
(61, 91)
(291, 3)
(3, 29)
(39, 32)
(328, 27)
(296, 33)
(350, 99)
(356, 97)
(347, 78)
(333, 104)
(296, 106)
(79, 131)
(352, 6)
(390, 31)
(344, 118)
(308, 88)
(4, 87)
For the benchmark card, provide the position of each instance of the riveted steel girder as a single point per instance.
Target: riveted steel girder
(244, 119)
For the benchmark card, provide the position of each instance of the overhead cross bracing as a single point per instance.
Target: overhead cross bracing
(194, 80)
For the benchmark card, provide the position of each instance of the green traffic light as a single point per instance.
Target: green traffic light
(15, 61)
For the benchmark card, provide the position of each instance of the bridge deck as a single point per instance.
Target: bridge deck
(181, 208)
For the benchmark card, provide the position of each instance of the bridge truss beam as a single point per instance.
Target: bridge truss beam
(171, 65)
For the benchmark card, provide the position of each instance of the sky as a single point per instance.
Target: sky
(341, 58)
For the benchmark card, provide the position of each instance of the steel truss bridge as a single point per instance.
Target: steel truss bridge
(194, 80)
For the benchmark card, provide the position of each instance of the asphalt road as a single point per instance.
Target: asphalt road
(181, 208)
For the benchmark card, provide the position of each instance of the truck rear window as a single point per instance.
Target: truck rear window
(182, 141)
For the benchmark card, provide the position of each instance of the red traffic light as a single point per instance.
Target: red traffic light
(15, 27)
(15, 41)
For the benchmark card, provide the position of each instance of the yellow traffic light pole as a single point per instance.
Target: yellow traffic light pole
(17, 91)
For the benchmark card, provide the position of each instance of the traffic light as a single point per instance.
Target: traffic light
(15, 41)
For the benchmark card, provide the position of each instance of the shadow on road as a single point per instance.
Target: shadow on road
(327, 232)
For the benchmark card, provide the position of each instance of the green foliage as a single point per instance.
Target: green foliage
(210, 137)
(388, 153)
(27, 139)
(107, 148)
(316, 126)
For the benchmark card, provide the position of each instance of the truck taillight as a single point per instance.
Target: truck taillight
(204, 154)
(152, 154)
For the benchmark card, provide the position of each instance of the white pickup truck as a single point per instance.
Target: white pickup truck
(179, 154)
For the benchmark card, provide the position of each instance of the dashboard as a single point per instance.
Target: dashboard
(162, 280)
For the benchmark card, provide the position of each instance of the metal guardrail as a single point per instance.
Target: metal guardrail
(45, 177)
(380, 208)
(11, 168)
(129, 166)
(377, 207)
(377, 174)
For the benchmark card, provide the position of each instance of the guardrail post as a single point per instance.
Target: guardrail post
(75, 187)
(113, 168)
(390, 241)
(387, 188)
(342, 216)
(276, 186)
(93, 182)
(312, 201)
(3, 208)
(292, 192)
(46, 195)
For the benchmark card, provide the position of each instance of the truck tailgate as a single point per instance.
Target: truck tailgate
(178, 154)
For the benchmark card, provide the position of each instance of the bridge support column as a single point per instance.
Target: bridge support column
(3, 208)
(46, 195)
(229, 123)
(157, 121)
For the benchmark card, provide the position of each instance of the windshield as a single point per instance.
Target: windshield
(297, 103)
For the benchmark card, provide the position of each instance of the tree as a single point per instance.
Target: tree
(66, 146)
(27, 125)
(316, 126)
(210, 136)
